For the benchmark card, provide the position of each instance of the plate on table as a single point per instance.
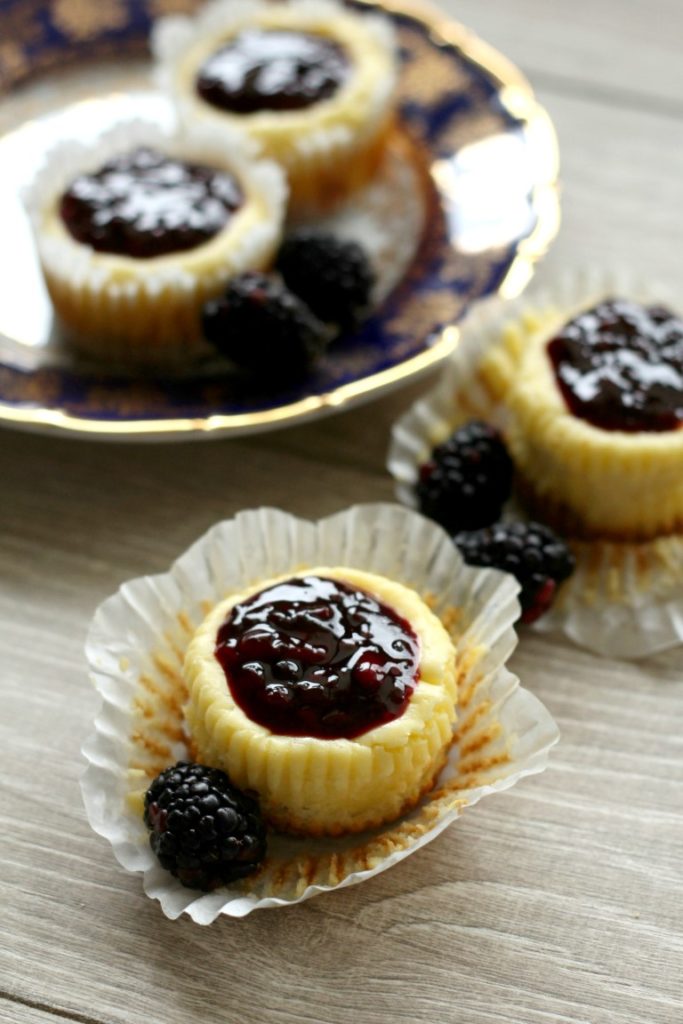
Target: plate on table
(464, 204)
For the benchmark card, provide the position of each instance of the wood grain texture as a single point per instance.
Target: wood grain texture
(625, 53)
(558, 903)
(14, 1011)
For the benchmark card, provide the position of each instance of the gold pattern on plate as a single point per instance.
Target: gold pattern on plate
(83, 19)
(459, 132)
(470, 273)
(22, 31)
(160, 8)
(42, 389)
(425, 311)
(430, 73)
(13, 61)
(134, 402)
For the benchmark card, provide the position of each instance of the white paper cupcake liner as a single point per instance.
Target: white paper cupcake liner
(174, 36)
(386, 216)
(625, 600)
(146, 311)
(71, 158)
(135, 650)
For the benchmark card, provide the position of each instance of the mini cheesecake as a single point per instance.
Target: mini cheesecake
(309, 80)
(135, 234)
(330, 693)
(594, 405)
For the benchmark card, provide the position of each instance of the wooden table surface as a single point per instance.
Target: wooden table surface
(561, 901)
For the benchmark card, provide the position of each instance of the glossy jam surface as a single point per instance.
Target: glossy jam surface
(272, 70)
(145, 204)
(620, 366)
(314, 657)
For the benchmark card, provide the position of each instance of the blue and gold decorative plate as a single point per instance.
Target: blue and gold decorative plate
(470, 195)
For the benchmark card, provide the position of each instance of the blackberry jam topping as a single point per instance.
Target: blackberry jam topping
(272, 70)
(314, 657)
(620, 366)
(145, 204)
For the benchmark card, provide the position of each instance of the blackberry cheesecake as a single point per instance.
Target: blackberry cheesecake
(331, 694)
(594, 405)
(309, 80)
(137, 233)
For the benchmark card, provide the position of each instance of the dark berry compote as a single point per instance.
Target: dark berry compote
(144, 204)
(314, 657)
(620, 366)
(272, 70)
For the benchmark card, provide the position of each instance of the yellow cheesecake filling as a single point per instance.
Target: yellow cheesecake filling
(328, 137)
(584, 478)
(148, 310)
(315, 770)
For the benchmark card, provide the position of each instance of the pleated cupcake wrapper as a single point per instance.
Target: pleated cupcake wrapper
(386, 217)
(174, 36)
(624, 600)
(135, 651)
(152, 298)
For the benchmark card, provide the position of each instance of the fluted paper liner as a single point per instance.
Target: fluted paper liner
(624, 600)
(135, 650)
(145, 310)
(328, 148)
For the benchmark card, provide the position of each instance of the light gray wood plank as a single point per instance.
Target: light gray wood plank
(561, 901)
(13, 1012)
(622, 185)
(624, 51)
(558, 902)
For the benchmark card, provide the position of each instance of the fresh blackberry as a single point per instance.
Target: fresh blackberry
(331, 275)
(467, 480)
(532, 553)
(262, 327)
(203, 829)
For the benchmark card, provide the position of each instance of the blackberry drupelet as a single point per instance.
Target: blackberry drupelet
(468, 479)
(203, 829)
(333, 276)
(264, 328)
(531, 552)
